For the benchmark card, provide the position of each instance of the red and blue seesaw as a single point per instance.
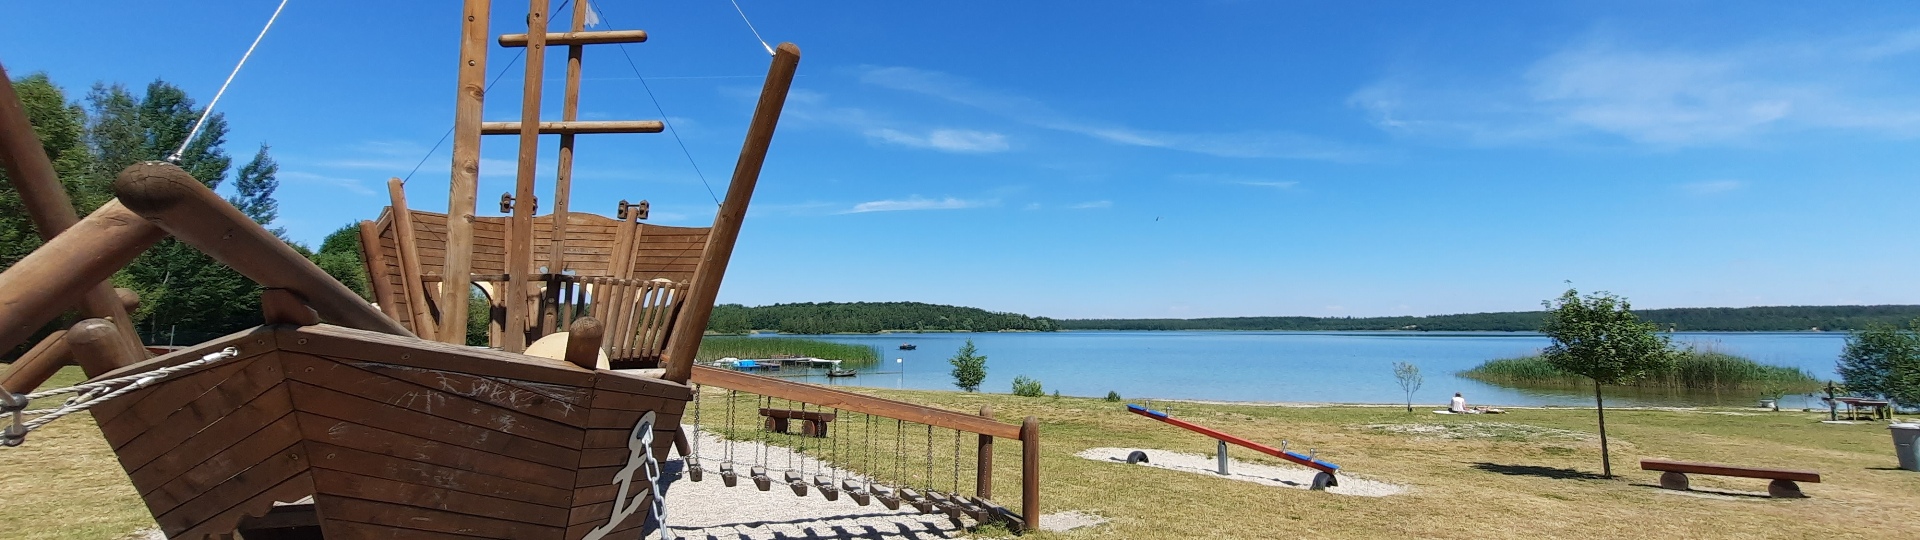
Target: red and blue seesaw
(1322, 480)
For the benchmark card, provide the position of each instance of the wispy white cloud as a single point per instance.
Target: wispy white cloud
(1231, 179)
(1267, 183)
(918, 203)
(1663, 97)
(1247, 144)
(948, 140)
(1092, 204)
(1712, 187)
(350, 185)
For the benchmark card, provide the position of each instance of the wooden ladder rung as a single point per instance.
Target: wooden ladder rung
(579, 38)
(565, 128)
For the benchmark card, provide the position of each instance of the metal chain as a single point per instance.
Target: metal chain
(89, 394)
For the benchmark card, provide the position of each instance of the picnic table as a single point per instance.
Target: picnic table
(1872, 409)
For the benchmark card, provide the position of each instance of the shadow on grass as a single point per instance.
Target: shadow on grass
(1532, 470)
(1708, 492)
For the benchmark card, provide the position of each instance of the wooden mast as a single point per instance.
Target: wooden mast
(457, 272)
(520, 227)
(32, 175)
(692, 322)
(563, 179)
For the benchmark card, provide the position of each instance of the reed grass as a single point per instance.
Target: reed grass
(717, 347)
(1696, 370)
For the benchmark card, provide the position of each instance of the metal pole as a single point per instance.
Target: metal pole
(1221, 454)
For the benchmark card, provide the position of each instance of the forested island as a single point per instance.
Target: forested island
(872, 317)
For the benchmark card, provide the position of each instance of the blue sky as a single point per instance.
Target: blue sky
(1139, 159)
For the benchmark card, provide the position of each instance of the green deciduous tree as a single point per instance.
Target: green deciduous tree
(1599, 337)
(253, 190)
(1408, 375)
(969, 368)
(1027, 387)
(1883, 361)
(339, 256)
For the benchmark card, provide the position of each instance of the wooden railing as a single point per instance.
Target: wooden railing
(987, 429)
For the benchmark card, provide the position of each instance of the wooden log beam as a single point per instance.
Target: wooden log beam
(692, 322)
(571, 127)
(383, 293)
(98, 341)
(32, 175)
(174, 201)
(583, 342)
(465, 180)
(31, 370)
(520, 225)
(983, 462)
(38, 287)
(578, 37)
(281, 306)
(840, 399)
(563, 176)
(1030, 472)
(409, 251)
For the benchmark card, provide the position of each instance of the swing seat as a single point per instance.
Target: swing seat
(918, 500)
(798, 482)
(727, 476)
(854, 491)
(694, 471)
(760, 478)
(887, 496)
(825, 485)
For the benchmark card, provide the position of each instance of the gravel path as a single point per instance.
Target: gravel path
(1290, 477)
(709, 510)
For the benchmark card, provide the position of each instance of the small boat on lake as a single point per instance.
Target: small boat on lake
(908, 346)
(842, 373)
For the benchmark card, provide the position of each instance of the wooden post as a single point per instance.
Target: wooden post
(32, 175)
(98, 341)
(383, 293)
(726, 224)
(457, 275)
(520, 227)
(583, 342)
(40, 286)
(983, 468)
(39, 364)
(173, 200)
(409, 251)
(563, 178)
(281, 306)
(1030, 472)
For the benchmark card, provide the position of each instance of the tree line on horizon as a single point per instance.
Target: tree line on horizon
(868, 318)
(1750, 319)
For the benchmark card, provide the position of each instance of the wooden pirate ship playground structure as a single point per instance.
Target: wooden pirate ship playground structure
(341, 418)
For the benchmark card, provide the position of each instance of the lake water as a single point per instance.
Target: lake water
(1342, 367)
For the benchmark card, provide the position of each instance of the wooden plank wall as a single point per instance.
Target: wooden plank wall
(388, 437)
(663, 252)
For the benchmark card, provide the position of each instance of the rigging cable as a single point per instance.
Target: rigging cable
(663, 112)
(496, 78)
(750, 28)
(204, 113)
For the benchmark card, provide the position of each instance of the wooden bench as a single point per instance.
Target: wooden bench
(1783, 486)
(813, 423)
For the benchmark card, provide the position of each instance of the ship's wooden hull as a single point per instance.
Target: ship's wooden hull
(393, 437)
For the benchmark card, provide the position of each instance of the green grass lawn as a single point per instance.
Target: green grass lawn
(1527, 474)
